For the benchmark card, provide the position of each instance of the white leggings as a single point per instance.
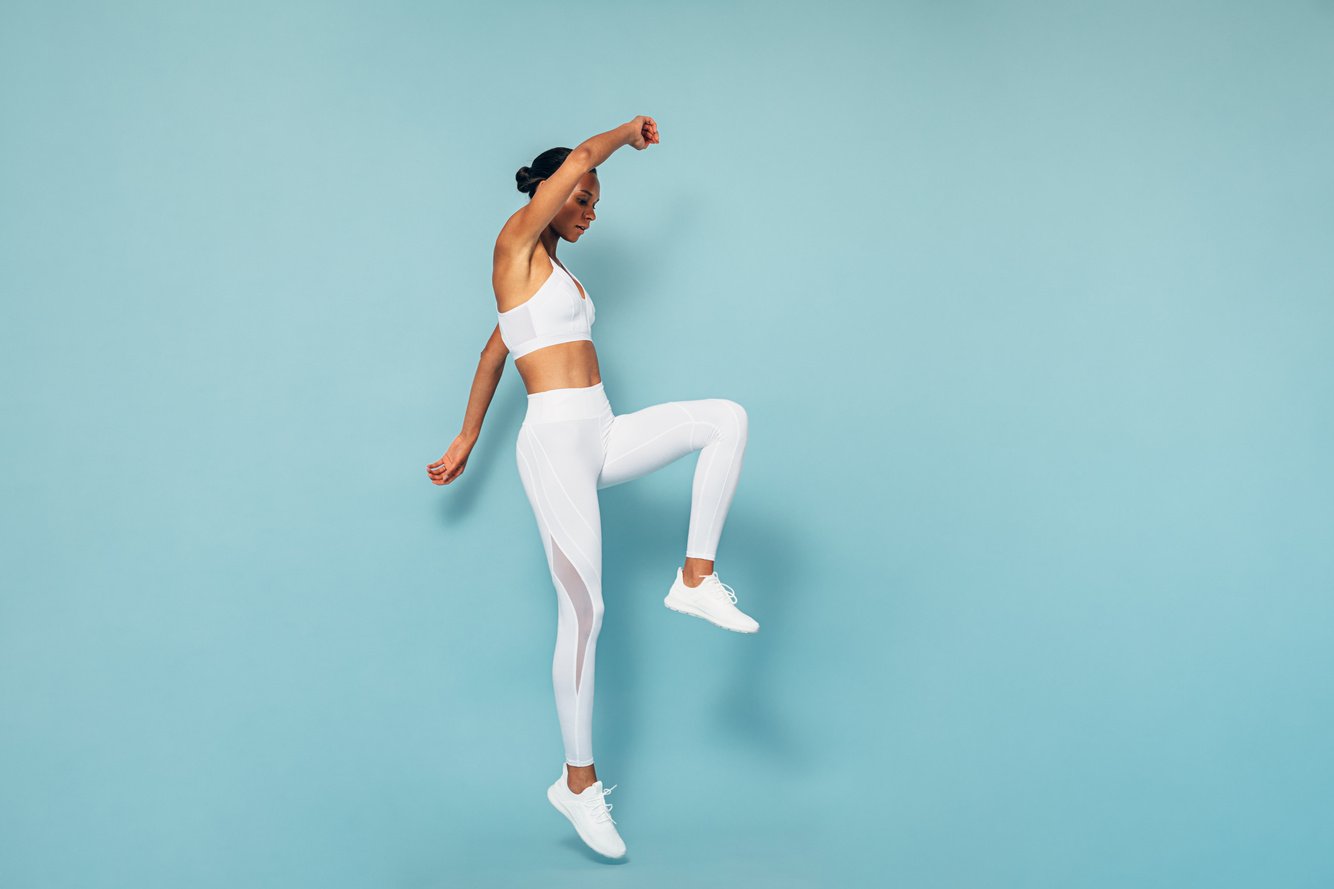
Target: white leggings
(570, 446)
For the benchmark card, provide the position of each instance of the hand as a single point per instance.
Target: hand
(644, 132)
(450, 466)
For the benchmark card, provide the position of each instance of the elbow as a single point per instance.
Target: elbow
(495, 351)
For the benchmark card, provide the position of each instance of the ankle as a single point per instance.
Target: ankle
(579, 778)
(694, 571)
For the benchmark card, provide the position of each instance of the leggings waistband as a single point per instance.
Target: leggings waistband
(578, 403)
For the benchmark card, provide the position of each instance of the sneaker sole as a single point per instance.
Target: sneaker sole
(555, 801)
(693, 612)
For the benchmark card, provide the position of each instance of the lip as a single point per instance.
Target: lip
(582, 228)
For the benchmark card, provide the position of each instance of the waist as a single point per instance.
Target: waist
(580, 403)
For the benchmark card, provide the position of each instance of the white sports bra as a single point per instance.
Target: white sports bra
(557, 313)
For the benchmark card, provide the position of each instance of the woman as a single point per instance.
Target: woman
(571, 445)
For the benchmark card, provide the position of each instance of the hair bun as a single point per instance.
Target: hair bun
(524, 179)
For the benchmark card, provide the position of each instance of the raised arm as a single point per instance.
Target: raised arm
(525, 226)
(490, 367)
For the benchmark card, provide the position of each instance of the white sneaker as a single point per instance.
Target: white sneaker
(589, 813)
(712, 600)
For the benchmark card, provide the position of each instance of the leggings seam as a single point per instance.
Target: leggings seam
(649, 442)
(555, 518)
(687, 412)
(573, 505)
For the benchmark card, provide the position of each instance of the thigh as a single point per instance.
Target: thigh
(645, 440)
(558, 465)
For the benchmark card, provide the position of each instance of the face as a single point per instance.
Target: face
(578, 213)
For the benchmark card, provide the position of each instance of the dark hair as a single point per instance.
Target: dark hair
(546, 163)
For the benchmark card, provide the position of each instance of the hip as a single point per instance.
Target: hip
(565, 435)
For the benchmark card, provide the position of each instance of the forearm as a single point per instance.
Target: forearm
(484, 384)
(601, 146)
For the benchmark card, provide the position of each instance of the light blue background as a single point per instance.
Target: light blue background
(1030, 306)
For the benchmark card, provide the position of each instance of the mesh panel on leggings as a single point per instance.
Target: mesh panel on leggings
(583, 604)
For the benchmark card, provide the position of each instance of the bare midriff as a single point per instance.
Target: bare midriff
(562, 366)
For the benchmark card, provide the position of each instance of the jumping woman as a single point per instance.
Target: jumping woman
(571, 445)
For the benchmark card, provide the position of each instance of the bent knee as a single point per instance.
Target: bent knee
(734, 420)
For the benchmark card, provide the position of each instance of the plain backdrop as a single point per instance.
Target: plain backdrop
(1030, 308)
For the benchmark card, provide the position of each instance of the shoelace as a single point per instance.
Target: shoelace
(720, 589)
(605, 807)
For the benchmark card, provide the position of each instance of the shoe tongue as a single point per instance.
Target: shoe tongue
(594, 789)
